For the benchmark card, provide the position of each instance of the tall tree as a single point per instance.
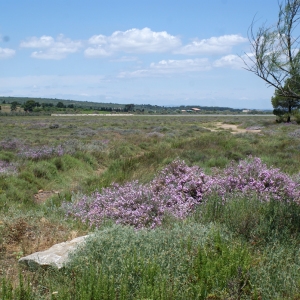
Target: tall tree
(60, 105)
(14, 105)
(30, 105)
(129, 107)
(275, 55)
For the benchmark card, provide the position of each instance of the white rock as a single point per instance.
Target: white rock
(56, 256)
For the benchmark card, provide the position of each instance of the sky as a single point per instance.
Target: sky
(159, 52)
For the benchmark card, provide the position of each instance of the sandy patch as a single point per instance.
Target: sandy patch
(232, 128)
(42, 195)
(100, 171)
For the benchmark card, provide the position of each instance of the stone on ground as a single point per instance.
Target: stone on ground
(56, 256)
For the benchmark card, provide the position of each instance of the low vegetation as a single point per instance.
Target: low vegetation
(175, 211)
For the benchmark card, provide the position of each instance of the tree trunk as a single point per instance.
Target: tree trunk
(290, 112)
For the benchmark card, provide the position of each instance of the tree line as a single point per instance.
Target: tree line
(35, 106)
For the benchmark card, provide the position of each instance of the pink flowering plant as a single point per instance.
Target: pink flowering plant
(251, 175)
(130, 204)
(177, 190)
(181, 187)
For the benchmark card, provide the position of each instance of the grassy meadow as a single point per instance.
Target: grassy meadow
(222, 241)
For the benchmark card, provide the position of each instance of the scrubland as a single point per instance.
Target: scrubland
(177, 211)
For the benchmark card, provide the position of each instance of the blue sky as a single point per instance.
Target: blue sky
(139, 51)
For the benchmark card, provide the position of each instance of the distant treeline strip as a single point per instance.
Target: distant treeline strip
(97, 105)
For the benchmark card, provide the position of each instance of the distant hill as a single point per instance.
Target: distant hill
(87, 105)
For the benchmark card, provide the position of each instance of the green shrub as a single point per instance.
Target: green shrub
(251, 219)
(6, 156)
(232, 155)
(59, 163)
(275, 273)
(219, 162)
(17, 189)
(29, 177)
(87, 158)
(297, 117)
(120, 150)
(44, 169)
(188, 261)
(70, 162)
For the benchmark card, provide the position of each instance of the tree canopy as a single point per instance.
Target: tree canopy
(30, 105)
(14, 105)
(284, 106)
(275, 56)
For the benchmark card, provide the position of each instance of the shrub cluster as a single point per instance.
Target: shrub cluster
(177, 190)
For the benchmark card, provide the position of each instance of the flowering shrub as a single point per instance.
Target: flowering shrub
(7, 168)
(36, 153)
(251, 175)
(177, 190)
(181, 187)
(130, 204)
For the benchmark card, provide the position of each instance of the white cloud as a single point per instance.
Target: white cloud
(145, 40)
(98, 39)
(132, 41)
(233, 61)
(96, 52)
(51, 48)
(35, 42)
(185, 65)
(213, 45)
(125, 59)
(6, 53)
(170, 67)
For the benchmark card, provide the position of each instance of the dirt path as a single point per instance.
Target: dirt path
(232, 128)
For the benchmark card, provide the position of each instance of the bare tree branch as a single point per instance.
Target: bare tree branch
(275, 54)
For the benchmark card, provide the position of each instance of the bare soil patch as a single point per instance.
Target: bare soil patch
(233, 128)
(42, 196)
